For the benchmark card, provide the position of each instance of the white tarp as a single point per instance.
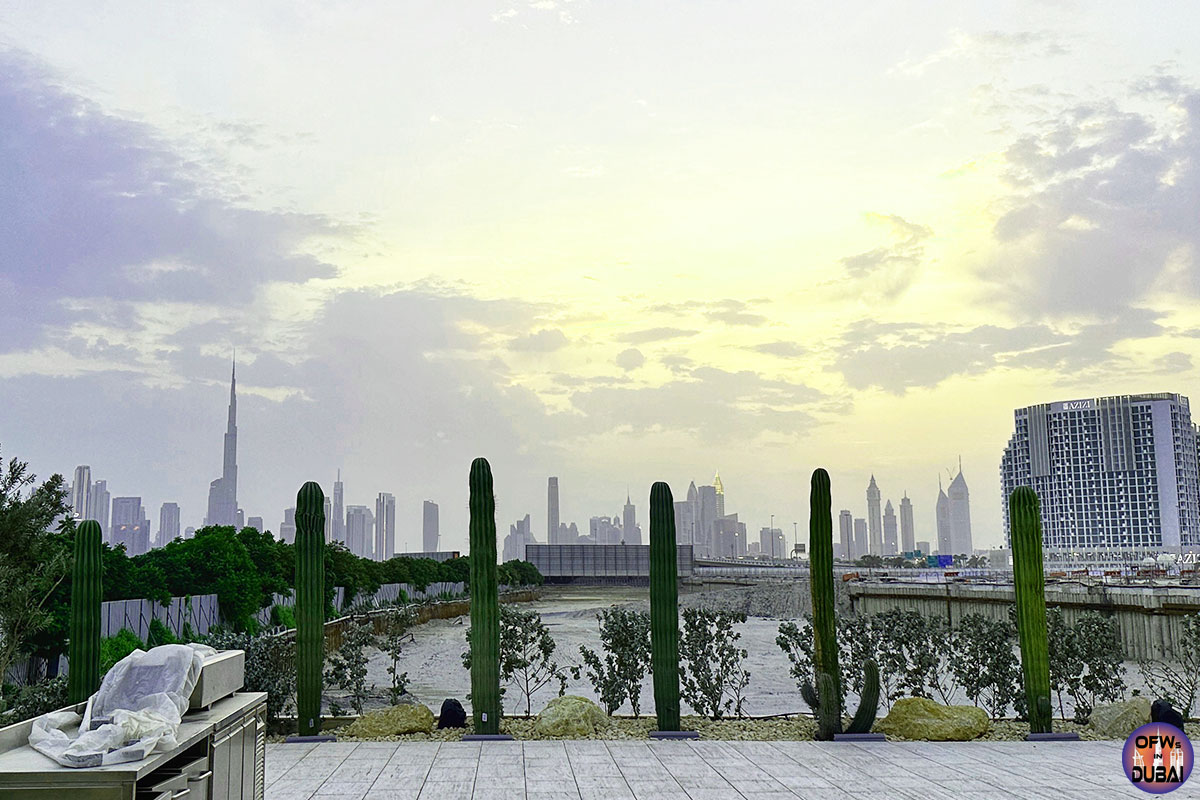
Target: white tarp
(138, 709)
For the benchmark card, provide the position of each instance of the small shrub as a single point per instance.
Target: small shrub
(625, 642)
(984, 664)
(712, 678)
(526, 654)
(283, 616)
(397, 622)
(37, 699)
(115, 648)
(346, 667)
(270, 667)
(1176, 678)
(160, 634)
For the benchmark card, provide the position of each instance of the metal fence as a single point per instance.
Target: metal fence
(388, 594)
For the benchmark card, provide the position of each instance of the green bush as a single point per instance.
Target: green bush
(114, 648)
(283, 615)
(712, 673)
(270, 667)
(160, 634)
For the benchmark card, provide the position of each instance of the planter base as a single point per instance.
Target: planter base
(322, 737)
(859, 737)
(487, 737)
(674, 735)
(1052, 737)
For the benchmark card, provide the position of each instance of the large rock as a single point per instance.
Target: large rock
(394, 721)
(453, 715)
(1118, 720)
(569, 716)
(921, 718)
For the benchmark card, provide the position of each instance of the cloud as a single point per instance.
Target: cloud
(655, 335)
(891, 269)
(543, 341)
(779, 348)
(630, 359)
(1103, 209)
(97, 206)
(728, 311)
(896, 357)
(989, 45)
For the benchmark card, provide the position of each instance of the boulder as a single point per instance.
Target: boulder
(1162, 711)
(1118, 720)
(570, 717)
(394, 721)
(921, 718)
(452, 715)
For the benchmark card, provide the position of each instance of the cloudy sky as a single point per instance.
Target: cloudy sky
(611, 241)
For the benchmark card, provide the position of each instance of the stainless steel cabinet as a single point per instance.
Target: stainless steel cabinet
(239, 759)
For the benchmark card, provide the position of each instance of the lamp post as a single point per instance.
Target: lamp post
(795, 537)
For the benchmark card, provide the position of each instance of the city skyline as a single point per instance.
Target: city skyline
(761, 238)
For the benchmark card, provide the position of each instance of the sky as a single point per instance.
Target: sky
(613, 242)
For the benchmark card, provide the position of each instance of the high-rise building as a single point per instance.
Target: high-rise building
(101, 505)
(360, 524)
(708, 505)
(889, 530)
(328, 507)
(770, 542)
(685, 521)
(385, 526)
(874, 519)
(846, 529)
(130, 526)
(552, 520)
(960, 514)
(287, 528)
(257, 524)
(339, 512)
(222, 493)
(908, 534)
(604, 530)
(519, 535)
(1116, 473)
(81, 493)
(631, 534)
(693, 514)
(168, 523)
(861, 545)
(429, 526)
(945, 545)
(189, 532)
(923, 546)
(719, 489)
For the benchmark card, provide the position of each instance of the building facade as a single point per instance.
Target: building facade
(287, 528)
(552, 515)
(942, 513)
(1118, 474)
(908, 533)
(338, 528)
(861, 546)
(130, 526)
(961, 540)
(81, 493)
(430, 526)
(360, 528)
(101, 506)
(385, 526)
(890, 542)
(846, 531)
(519, 535)
(874, 519)
(168, 523)
(222, 493)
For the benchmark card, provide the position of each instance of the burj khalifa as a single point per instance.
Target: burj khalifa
(222, 493)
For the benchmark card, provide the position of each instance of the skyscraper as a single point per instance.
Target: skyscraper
(328, 518)
(709, 503)
(552, 520)
(385, 526)
(770, 542)
(685, 521)
(1112, 473)
(257, 524)
(287, 528)
(429, 526)
(846, 529)
(861, 546)
(360, 525)
(130, 526)
(945, 544)
(889, 530)
(101, 505)
(81, 493)
(907, 532)
(222, 493)
(168, 523)
(339, 511)
(719, 488)
(960, 514)
(629, 527)
(693, 501)
(519, 535)
(874, 520)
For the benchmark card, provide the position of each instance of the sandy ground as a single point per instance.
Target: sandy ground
(434, 660)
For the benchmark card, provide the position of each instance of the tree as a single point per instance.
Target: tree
(526, 654)
(984, 664)
(396, 624)
(712, 675)
(1176, 678)
(34, 560)
(625, 642)
(347, 666)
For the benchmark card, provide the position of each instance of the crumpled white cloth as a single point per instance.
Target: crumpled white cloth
(138, 708)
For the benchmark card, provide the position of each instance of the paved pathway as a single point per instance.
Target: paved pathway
(701, 770)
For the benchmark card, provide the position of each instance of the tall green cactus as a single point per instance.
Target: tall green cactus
(826, 698)
(310, 606)
(83, 649)
(825, 651)
(485, 603)
(664, 607)
(1025, 523)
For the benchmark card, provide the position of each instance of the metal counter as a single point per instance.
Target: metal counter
(26, 774)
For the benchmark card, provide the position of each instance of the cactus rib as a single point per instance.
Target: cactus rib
(1029, 585)
(664, 607)
(310, 606)
(485, 603)
(83, 648)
